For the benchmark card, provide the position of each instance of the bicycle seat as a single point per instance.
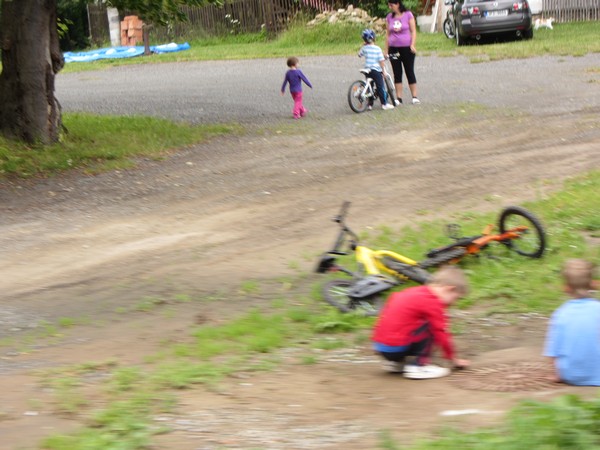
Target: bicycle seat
(365, 71)
(326, 263)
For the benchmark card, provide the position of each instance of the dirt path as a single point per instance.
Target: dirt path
(240, 208)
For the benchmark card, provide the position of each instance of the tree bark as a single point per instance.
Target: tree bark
(146, 38)
(31, 58)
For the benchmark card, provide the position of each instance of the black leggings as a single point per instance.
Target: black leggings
(404, 58)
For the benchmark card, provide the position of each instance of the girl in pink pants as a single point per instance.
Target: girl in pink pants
(295, 77)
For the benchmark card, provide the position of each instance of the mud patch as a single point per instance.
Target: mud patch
(263, 429)
(515, 377)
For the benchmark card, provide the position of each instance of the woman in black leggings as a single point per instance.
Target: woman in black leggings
(401, 46)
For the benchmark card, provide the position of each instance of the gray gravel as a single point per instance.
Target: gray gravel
(248, 91)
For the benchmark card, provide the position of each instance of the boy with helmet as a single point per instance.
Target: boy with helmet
(375, 62)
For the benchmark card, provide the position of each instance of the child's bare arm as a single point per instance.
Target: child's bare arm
(382, 64)
(461, 363)
(556, 374)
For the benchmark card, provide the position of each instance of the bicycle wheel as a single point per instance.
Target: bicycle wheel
(335, 293)
(391, 89)
(356, 96)
(448, 29)
(531, 242)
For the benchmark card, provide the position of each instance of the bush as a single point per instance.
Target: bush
(379, 8)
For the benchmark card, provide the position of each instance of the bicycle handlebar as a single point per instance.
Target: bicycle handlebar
(342, 215)
(340, 219)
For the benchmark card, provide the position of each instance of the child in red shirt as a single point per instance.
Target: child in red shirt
(413, 320)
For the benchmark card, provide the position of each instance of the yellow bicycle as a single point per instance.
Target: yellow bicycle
(378, 271)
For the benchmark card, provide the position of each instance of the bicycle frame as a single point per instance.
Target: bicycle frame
(369, 90)
(487, 237)
(473, 245)
(370, 261)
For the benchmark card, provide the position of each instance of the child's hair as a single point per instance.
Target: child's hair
(292, 61)
(451, 276)
(579, 276)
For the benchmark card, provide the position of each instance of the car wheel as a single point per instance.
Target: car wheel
(528, 34)
(448, 29)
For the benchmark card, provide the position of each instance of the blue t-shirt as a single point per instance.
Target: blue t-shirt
(574, 340)
(373, 55)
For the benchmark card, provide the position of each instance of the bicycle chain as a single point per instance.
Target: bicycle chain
(414, 273)
(442, 258)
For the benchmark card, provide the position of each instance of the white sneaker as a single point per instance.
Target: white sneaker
(387, 106)
(416, 101)
(393, 367)
(397, 102)
(425, 372)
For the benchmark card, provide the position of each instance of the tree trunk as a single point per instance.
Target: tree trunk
(146, 39)
(31, 57)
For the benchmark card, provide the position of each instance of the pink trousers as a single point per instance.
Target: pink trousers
(299, 109)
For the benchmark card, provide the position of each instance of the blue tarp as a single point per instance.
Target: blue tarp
(122, 52)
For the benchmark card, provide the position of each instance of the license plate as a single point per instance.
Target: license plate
(499, 13)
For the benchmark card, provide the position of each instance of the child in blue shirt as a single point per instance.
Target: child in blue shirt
(573, 339)
(295, 77)
(375, 62)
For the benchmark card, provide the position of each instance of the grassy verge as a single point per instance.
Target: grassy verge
(576, 39)
(565, 423)
(98, 143)
(501, 280)
(119, 414)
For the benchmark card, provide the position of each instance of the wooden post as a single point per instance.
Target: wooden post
(269, 17)
(146, 38)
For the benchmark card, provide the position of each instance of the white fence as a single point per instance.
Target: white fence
(572, 10)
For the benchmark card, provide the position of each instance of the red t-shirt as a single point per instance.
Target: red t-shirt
(407, 311)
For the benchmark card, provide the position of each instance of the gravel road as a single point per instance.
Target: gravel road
(248, 91)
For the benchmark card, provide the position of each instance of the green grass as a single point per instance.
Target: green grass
(567, 39)
(499, 278)
(575, 38)
(565, 423)
(96, 143)
(136, 395)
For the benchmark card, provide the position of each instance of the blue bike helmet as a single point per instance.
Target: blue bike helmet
(368, 35)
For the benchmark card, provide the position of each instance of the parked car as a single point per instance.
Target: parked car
(476, 18)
